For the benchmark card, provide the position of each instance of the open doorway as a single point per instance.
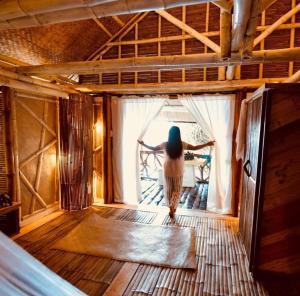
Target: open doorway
(196, 163)
(133, 119)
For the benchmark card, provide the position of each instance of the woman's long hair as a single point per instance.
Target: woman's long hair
(174, 144)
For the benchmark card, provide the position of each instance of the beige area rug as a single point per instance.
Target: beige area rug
(168, 246)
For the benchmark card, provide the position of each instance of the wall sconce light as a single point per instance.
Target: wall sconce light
(98, 127)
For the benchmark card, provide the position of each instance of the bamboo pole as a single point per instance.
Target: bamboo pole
(206, 30)
(35, 81)
(241, 16)
(123, 31)
(36, 117)
(224, 5)
(37, 153)
(13, 9)
(160, 63)
(294, 78)
(33, 88)
(40, 159)
(118, 20)
(53, 14)
(225, 33)
(292, 39)
(266, 4)
(178, 87)
(186, 36)
(58, 186)
(32, 190)
(280, 21)
(251, 28)
(183, 42)
(262, 46)
(181, 25)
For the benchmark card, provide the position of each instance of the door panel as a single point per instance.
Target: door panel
(248, 210)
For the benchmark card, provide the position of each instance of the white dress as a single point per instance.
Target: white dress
(173, 173)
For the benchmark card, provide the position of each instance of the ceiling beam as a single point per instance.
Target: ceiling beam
(162, 63)
(275, 25)
(176, 87)
(181, 37)
(181, 25)
(41, 13)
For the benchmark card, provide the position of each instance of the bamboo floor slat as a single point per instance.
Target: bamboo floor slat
(221, 269)
(191, 198)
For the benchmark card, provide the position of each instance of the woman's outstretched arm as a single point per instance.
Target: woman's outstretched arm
(198, 147)
(153, 148)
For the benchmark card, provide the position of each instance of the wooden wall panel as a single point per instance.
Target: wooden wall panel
(4, 152)
(36, 138)
(279, 236)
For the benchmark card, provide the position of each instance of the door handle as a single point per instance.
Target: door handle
(245, 167)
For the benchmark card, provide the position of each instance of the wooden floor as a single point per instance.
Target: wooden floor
(222, 265)
(191, 198)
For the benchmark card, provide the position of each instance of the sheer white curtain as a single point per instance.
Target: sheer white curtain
(131, 117)
(215, 114)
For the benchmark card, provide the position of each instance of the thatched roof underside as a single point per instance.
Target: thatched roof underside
(84, 40)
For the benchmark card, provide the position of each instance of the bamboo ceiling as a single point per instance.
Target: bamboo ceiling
(149, 34)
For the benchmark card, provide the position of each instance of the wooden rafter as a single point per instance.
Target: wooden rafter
(163, 62)
(275, 25)
(178, 87)
(294, 78)
(118, 20)
(212, 45)
(187, 36)
(266, 4)
(103, 28)
(127, 27)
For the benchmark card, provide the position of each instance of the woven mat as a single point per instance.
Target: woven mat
(168, 246)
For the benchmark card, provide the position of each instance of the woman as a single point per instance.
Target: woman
(173, 165)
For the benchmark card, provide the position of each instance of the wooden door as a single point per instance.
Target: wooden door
(251, 170)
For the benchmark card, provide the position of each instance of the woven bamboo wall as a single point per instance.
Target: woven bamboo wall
(36, 139)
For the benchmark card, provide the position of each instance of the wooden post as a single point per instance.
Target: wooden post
(292, 39)
(107, 150)
(58, 186)
(236, 165)
(15, 150)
